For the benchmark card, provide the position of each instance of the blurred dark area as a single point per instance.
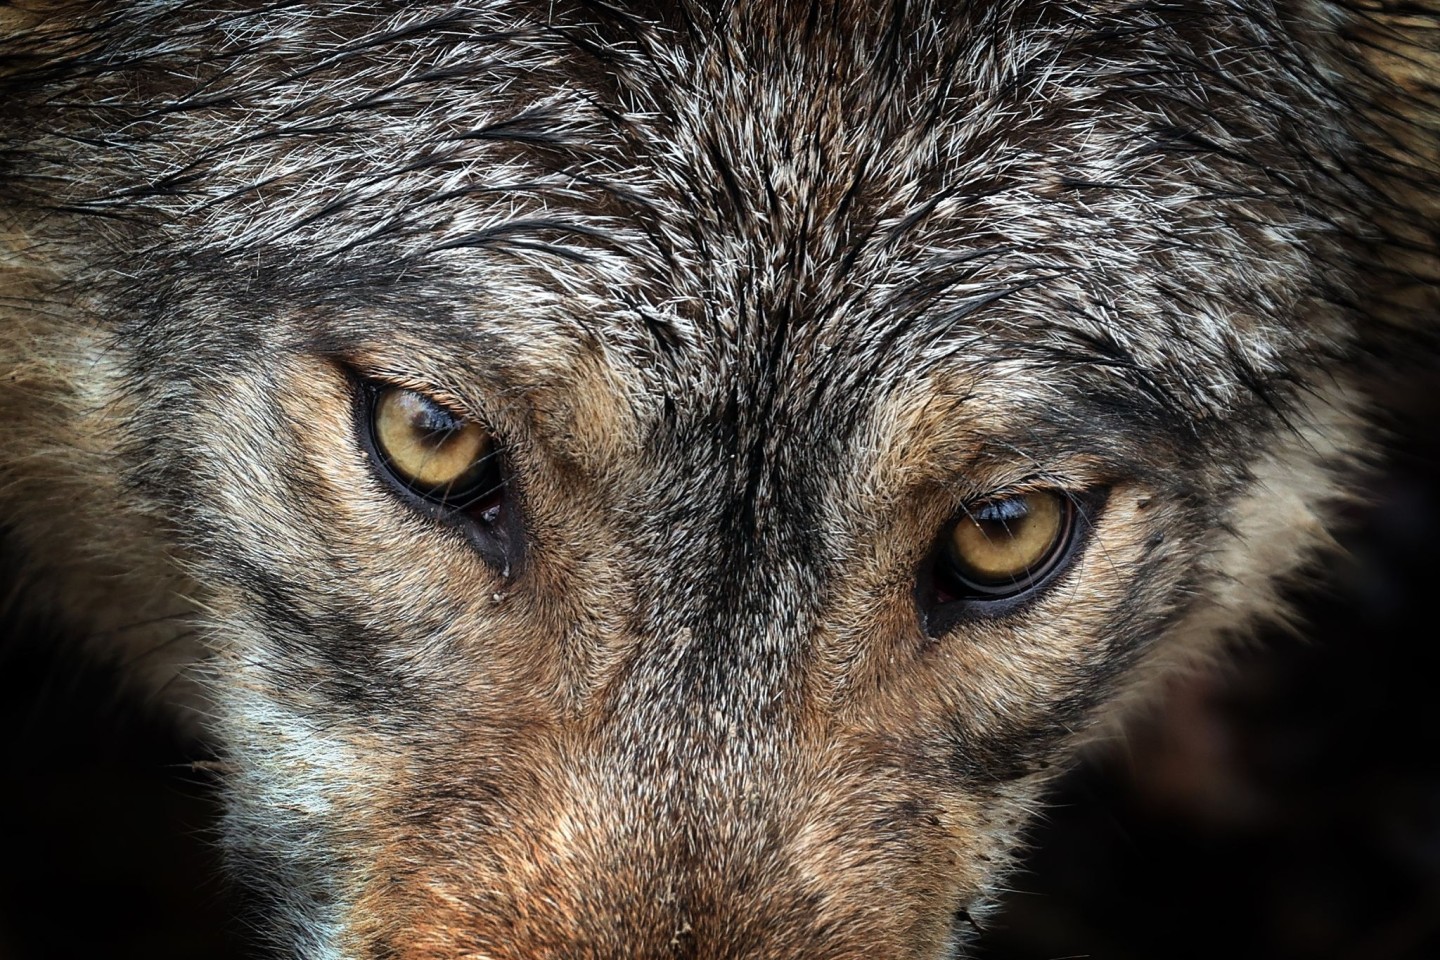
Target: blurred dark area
(1286, 808)
(107, 818)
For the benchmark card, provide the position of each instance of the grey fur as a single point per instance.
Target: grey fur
(757, 297)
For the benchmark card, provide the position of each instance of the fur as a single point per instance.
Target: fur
(757, 297)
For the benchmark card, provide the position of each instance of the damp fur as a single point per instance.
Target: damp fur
(757, 298)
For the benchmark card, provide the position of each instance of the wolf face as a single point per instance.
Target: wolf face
(674, 481)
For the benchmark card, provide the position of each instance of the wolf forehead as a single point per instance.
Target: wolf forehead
(712, 191)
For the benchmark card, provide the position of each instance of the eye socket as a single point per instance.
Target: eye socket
(442, 457)
(1002, 548)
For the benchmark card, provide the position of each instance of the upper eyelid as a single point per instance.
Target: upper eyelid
(373, 382)
(1074, 489)
(1088, 500)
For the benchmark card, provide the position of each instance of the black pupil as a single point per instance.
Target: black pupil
(434, 424)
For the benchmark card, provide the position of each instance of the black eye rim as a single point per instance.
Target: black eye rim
(491, 524)
(482, 484)
(942, 611)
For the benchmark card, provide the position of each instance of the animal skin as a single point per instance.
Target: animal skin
(633, 480)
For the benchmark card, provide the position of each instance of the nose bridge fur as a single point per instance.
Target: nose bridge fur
(726, 578)
(1147, 251)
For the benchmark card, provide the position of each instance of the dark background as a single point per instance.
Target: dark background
(1289, 809)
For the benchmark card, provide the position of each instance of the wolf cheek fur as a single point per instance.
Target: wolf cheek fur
(755, 305)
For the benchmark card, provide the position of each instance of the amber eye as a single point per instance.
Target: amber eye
(437, 454)
(1001, 548)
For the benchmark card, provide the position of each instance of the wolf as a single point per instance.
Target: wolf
(676, 480)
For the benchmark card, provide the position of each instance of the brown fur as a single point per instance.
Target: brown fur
(757, 298)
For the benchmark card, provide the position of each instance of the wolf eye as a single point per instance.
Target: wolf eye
(438, 455)
(1005, 547)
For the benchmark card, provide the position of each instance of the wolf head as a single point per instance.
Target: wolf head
(672, 481)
